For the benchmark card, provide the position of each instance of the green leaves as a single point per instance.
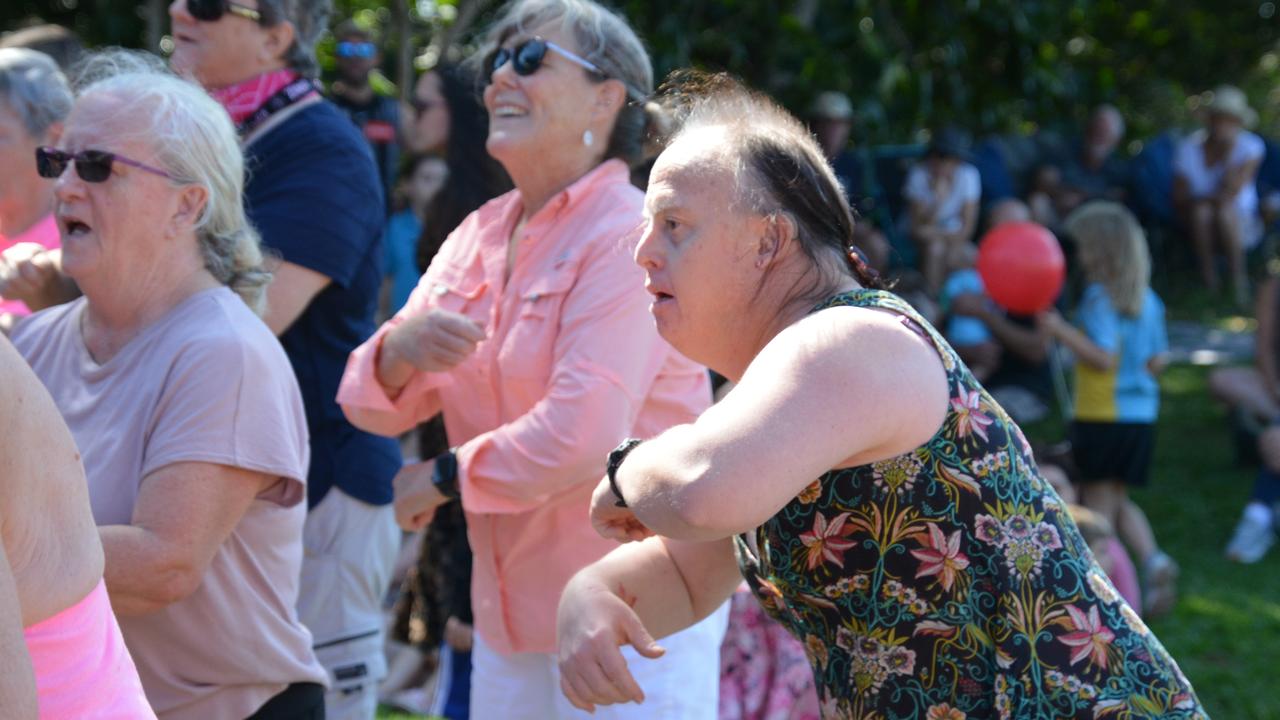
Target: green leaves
(988, 65)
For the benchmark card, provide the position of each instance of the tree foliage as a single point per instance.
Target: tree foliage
(989, 65)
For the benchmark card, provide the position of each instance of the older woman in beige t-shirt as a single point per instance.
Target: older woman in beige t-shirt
(182, 402)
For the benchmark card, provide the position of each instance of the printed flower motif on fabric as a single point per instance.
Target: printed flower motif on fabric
(897, 475)
(827, 541)
(949, 582)
(941, 556)
(969, 416)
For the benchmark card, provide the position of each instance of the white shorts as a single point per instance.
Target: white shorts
(683, 684)
(349, 547)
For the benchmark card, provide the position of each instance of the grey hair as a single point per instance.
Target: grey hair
(196, 144)
(604, 38)
(309, 19)
(33, 87)
(1113, 114)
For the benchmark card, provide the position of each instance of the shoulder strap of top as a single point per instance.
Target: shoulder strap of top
(885, 300)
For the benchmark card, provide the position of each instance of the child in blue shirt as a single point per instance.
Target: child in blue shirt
(969, 335)
(1119, 346)
(424, 177)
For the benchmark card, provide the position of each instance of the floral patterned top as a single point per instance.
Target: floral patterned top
(950, 582)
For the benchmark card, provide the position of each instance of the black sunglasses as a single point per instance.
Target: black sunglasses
(527, 57)
(213, 10)
(91, 165)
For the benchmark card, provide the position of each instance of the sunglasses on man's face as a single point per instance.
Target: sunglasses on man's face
(91, 165)
(364, 50)
(213, 10)
(527, 57)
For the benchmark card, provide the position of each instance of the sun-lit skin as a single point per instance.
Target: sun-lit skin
(537, 121)
(705, 256)
(430, 127)
(227, 51)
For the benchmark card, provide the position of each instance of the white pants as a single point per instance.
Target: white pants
(683, 684)
(349, 547)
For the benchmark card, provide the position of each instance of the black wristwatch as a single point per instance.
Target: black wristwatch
(616, 456)
(445, 474)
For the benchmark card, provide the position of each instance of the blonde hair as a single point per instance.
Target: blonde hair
(197, 145)
(1113, 252)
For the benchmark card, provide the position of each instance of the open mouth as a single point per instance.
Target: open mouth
(74, 227)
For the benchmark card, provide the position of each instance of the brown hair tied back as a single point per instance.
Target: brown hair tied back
(864, 273)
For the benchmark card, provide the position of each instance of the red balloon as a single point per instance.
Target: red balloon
(1022, 266)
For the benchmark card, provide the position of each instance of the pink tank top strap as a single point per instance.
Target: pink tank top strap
(82, 666)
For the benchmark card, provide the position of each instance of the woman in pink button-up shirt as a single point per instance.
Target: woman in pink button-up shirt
(531, 332)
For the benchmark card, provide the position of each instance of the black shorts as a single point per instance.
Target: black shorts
(1113, 451)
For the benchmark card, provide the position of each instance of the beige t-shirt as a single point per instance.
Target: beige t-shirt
(208, 382)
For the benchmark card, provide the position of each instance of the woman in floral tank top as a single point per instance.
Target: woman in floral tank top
(932, 573)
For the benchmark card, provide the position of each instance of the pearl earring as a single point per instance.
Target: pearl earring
(588, 138)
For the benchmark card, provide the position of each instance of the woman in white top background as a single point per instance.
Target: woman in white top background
(942, 194)
(1215, 171)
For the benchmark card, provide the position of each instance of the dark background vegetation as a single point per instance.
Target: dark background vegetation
(987, 65)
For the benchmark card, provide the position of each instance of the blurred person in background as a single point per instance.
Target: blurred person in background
(34, 101)
(449, 120)
(1018, 372)
(356, 58)
(831, 120)
(55, 41)
(1252, 394)
(942, 193)
(1215, 191)
(1120, 348)
(1092, 170)
(424, 177)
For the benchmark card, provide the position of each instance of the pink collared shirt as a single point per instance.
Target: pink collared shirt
(43, 233)
(572, 364)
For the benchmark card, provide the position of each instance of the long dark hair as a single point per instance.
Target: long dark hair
(474, 176)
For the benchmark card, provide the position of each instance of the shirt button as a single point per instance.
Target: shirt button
(440, 289)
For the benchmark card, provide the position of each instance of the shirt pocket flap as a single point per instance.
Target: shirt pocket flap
(546, 293)
(452, 287)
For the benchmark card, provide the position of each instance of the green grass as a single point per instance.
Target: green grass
(385, 714)
(1225, 632)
